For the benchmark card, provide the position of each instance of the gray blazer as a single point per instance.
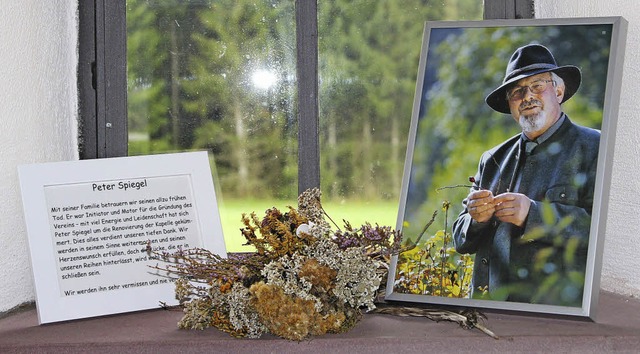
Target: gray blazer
(559, 178)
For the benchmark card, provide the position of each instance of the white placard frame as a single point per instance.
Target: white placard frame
(52, 304)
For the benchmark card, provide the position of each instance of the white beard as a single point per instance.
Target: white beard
(533, 122)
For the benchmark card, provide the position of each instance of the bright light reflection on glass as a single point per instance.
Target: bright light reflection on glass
(263, 79)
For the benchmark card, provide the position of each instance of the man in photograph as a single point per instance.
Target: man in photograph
(528, 215)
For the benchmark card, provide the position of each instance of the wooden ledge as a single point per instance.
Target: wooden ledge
(617, 329)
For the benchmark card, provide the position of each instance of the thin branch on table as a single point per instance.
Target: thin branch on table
(467, 319)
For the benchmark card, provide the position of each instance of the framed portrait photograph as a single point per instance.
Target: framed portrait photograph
(509, 156)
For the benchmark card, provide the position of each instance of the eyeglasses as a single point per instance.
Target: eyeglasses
(536, 87)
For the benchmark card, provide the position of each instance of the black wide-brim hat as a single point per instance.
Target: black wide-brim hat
(531, 60)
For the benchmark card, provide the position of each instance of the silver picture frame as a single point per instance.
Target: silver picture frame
(451, 126)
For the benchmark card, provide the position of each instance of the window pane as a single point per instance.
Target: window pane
(368, 53)
(218, 75)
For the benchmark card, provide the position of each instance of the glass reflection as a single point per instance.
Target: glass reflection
(218, 75)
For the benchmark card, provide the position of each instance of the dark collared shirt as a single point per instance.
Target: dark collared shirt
(526, 148)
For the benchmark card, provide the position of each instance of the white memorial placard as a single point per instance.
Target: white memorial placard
(89, 223)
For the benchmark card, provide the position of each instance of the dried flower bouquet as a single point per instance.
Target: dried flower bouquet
(304, 279)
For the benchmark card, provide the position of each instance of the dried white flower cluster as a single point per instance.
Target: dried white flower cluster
(197, 314)
(357, 280)
(284, 273)
(309, 205)
(326, 252)
(241, 314)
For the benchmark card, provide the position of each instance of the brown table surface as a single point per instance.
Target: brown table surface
(617, 329)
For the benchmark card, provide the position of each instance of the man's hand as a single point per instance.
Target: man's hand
(512, 208)
(481, 205)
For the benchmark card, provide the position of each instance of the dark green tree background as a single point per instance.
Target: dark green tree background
(189, 75)
(369, 52)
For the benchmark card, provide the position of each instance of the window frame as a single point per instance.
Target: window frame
(102, 81)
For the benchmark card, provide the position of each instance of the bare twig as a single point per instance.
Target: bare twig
(458, 186)
(424, 230)
(329, 217)
(467, 319)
